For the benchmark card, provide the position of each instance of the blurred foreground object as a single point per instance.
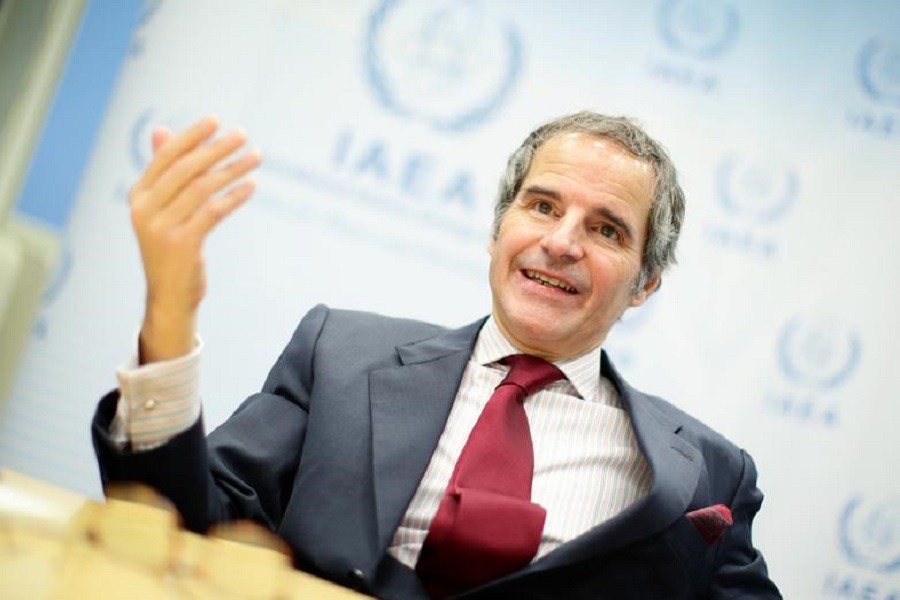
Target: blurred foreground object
(55, 544)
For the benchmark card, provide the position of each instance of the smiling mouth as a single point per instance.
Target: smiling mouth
(549, 281)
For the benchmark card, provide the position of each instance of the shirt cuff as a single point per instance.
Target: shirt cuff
(158, 400)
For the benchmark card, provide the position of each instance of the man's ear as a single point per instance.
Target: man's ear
(648, 289)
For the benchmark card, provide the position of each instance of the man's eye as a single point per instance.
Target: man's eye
(543, 207)
(608, 231)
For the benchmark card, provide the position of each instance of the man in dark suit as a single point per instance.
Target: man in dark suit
(357, 448)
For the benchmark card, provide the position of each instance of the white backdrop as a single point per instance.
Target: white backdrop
(385, 125)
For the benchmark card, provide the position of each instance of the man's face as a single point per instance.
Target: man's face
(568, 251)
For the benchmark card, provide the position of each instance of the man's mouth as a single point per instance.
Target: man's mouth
(549, 281)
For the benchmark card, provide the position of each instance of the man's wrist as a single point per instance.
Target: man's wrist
(166, 335)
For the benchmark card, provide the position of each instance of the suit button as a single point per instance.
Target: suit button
(357, 578)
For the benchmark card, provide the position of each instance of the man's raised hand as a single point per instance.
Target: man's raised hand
(176, 202)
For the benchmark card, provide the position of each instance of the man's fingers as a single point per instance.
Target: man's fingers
(192, 167)
(212, 213)
(178, 145)
(201, 189)
(161, 135)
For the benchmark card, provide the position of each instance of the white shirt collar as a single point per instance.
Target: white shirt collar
(583, 372)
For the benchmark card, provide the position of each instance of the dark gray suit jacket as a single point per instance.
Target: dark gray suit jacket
(330, 452)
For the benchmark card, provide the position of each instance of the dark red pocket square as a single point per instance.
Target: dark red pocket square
(711, 522)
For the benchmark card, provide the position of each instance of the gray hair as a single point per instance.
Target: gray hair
(666, 209)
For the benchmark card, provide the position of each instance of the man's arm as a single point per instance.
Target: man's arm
(190, 185)
(247, 466)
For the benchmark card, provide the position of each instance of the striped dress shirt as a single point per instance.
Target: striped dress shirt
(587, 464)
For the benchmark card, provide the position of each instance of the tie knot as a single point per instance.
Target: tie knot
(530, 372)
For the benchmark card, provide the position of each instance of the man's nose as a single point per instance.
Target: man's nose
(565, 240)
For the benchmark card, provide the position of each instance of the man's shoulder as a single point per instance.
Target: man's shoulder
(339, 320)
(713, 445)
(692, 427)
(370, 332)
(720, 454)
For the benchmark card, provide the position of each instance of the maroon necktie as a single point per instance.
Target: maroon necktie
(486, 525)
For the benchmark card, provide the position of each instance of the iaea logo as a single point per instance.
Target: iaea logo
(699, 28)
(758, 190)
(870, 534)
(138, 39)
(448, 63)
(818, 353)
(879, 71)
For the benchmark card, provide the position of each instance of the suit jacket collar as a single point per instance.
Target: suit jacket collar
(410, 404)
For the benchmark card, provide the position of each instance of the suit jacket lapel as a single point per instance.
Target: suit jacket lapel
(409, 405)
(409, 408)
(675, 464)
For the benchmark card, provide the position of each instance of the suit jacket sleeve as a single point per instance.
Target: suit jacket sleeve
(741, 571)
(246, 467)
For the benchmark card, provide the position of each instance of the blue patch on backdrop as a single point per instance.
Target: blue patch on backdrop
(54, 177)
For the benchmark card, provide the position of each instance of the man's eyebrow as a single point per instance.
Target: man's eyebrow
(537, 190)
(603, 211)
(619, 221)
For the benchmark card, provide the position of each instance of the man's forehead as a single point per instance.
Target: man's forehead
(610, 147)
(577, 148)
